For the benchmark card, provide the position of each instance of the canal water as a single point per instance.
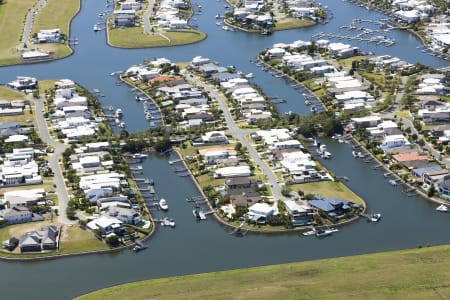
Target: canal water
(194, 247)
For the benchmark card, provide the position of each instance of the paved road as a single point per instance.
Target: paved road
(240, 134)
(146, 17)
(29, 24)
(58, 179)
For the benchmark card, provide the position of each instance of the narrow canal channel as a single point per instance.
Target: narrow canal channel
(200, 247)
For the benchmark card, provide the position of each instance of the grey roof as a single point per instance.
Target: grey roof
(420, 171)
(238, 181)
(5, 125)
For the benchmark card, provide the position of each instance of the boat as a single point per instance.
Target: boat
(118, 113)
(355, 154)
(225, 28)
(393, 182)
(168, 222)
(326, 232)
(163, 204)
(138, 247)
(326, 155)
(310, 232)
(218, 16)
(442, 208)
(97, 28)
(266, 32)
(199, 214)
(307, 102)
(249, 75)
(139, 156)
(375, 217)
(340, 141)
(121, 125)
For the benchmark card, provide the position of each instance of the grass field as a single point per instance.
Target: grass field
(9, 94)
(73, 240)
(12, 16)
(56, 14)
(290, 23)
(134, 37)
(76, 240)
(328, 189)
(407, 274)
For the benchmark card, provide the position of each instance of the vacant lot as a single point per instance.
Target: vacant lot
(135, 38)
(409, 274)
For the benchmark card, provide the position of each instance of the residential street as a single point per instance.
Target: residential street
(240, 135)
(58, 179)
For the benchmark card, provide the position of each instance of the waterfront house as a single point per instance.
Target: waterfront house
(36, 241)
(97, 146)
(48, 36)
(124, 18)
(106, 225)
(23, 83)
(117, 200)
(199, 60)
(260, 211)
(300, 214)
(126, 215)
(10, 244)
(444, 187)
(434, 177)
(130, 5)
(332, 207)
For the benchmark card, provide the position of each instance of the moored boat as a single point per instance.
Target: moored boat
(375, 217)
(163, 204)
(443, 208)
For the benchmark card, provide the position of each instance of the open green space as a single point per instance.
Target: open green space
(332, 189)
(134, 37)
(8, 94)
(12, 16)
(290, 23)
(56, 14)
(347, 62)
(22, 119)
(407, 274)
(73, 240)
(76, 240)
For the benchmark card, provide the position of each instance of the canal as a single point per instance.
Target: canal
(194, 247)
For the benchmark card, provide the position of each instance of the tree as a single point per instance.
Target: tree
(431, 191)
(238, 147)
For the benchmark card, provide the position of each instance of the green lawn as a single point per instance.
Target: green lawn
(56, 14)
(76, 240)
(73, 240)
(8, 94)
(407, 274)
(12, 15)
(290, 23)
(134, 37)
(328, 189)
(347, 62)
(53, 15)
(22, 119)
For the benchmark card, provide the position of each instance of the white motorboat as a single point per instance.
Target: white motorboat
(442, 208)
(97, 28)
(163, 204)
(310, 232)
(326, 232)
(168, 222)
(118, 113)
(375, 217)
(139, 156)
(225, 28)
(121, 125)
(249, 75)
(355, 154)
